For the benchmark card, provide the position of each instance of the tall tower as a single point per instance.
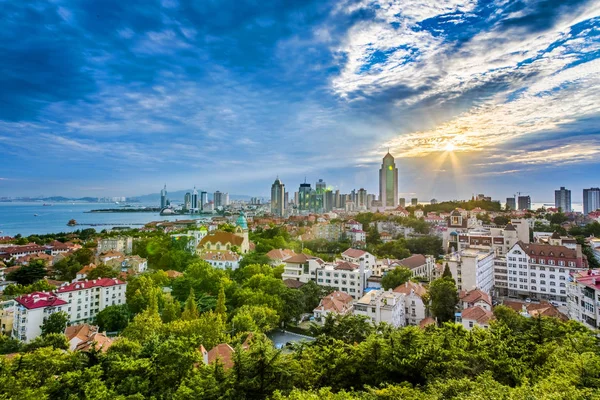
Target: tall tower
(277, 198)
(591, 200)
(562, 199)
(388, 182)
(163, 197)
(195, 199)
(203, 200)
(304, 196)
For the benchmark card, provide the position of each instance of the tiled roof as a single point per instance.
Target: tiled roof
(280, 254)
(224, 353)
(346, 266)
(292, 283)
(173, 274)
(534, 249)
(112, 254)
(478, 314)
(39, 300)
(102, 282)
(222, 238)
(80, 331)
(85, 270)
(474, 296)
(409, 287)
(414, 261)
(298, 259)
(337, 301)
(220, 256)
(426, 322)
(354, 253)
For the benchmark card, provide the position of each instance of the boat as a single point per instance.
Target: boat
(71, 222)
(46, 205)
(35, 215)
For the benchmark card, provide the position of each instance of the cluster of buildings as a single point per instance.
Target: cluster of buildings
(195, 202)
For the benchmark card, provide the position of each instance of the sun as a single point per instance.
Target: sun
(449, 146)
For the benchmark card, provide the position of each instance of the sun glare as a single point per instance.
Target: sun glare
(449, 147)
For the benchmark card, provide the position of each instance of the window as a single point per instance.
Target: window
(543, 282)
(562, 278)
(563, 292)
(532, 274)
(533, 281)
(533, 288)
(552, 283)
(562, 284)
(470, 324)
(552, 290)
(542, 275)
(552, 277)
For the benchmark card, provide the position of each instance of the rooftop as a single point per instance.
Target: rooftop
(39, 300)
(102, 282)
(478, 314)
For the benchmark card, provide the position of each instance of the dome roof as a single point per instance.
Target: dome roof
(241, 221)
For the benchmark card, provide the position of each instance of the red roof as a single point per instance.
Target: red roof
(347, 266)
(474, 296)
(102, 282)
(354, 253)
(39, 300)
(478, 314)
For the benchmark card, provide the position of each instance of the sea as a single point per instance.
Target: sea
(35, 218)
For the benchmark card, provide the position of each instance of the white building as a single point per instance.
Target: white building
(584, 298)
(541, 272)
(193, 236)
(120, 244)
(222, 260)
(31, 311)
(357, 235)
(86, 299)
(474, 298)
(344, 276)
(472, 268)
(382, 306)
(475, 316)
(301, 267)
(356, 256)
(414, 310)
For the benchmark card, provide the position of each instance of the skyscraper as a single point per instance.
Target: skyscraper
(277, 198)
(304, 196)
(562, 199)
(591, 200)
(361, 201)
(163, 197)
(388, 182)
(187, 201)
(219, 199)
(511, 203)
(524, 202)
(402, 202)
(414, 201)
(195, 199)
(203, 200)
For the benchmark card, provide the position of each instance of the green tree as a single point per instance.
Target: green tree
(396, 277)
(190, 309)
(113, 318)
(221, 308)
(171, 309)
(501, 220)
(444, 298)
(447, 273)
(254, 319)
(254, 258)
(102, 271)
(55, 323)
(28, 274)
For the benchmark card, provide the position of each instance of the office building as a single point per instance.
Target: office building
(187, 201)
(304, 196)
(402, 202)
(278, 198)
(203, 200)
(524, 202)
(414, 202)
(511, 203)
(163, 197)
(562, 199)
(286, 200)
(388, 182)
(195, 199)
(361, 199)
(591, 200)
(220, 199)
(328, 200)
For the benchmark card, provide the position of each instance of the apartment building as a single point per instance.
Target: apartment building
(336, 303)
(382, 306)
(31, 311)
(541, 271)
(472, 268)
(584, 298)
(123, 244)
(414, 306)
(84, 300)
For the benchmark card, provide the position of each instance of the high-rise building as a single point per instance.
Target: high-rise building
(203, 200)
(163, 197)
(220, 199)
(361, 201)
(286, 200)
(402, 202)
(304, 196)
(524, 202)
(296, 199)
(277, 198)
(187, 201)
(370, 199)
(194, 200)
(328, 199)
(388, 182)
(414, 201)
(591, 200)
(562, 199)
(511, 203)
(337, 201)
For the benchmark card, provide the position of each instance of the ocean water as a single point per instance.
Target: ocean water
(20, 217)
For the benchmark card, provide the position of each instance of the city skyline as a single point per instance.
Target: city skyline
(469, 96)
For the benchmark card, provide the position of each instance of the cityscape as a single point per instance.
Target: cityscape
(330, 199)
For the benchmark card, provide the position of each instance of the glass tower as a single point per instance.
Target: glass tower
(388, 182)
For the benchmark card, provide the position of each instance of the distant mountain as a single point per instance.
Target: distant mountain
(178, 196)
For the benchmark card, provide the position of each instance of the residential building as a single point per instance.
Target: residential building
(84, 300)
(222, 259)
(475, 317)
(472, 268)
(357, 256)
(328, 231)
(123, 244)
(203, 201)
(419, 265)
(220, 199)
(135, 263)
(278, 198)
(591, 200)
(498, 239)
(414, 201)
(382, 306)
(357, 236)
(541, 271)
(511, 203)
(562, 199)
(7, 316)
(83, 272)
(336, 303)
(86, 337)
(584, 298)
(402, 202)
(279, 256)
(414, 307)
(474, 298)
(301, 267)
(388, 182)
(31, 311)
(193, 237)
(524, 202)
(345, 276)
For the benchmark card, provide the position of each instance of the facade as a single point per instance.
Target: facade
(203, 200)
(84, 300)
(414, 201)
(541, 271)
(336, 303)
(357, 256)
(511, 203)
(304, 196)
(472, 268)
(562, 199)
(402, 202)
(475, 317)
(120, 244)
(357, 235)
(524, 202)
(474, 298)
(7, 316)
(584, 298)
(31, 311)
(388, 182)
(222, 259)
(382, 306)
(301, 267)
(414, 307)
(278, 198)
(498, 239)
(419, 265)
(344, 276)
(591, 200)
(328, 231)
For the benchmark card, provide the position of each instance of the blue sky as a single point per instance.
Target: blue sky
(119, 97)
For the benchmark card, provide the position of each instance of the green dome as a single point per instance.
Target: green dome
(241, 221)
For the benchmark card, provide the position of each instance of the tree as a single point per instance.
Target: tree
(447, 273)
(501, 220)
(55, 323)
(444, 298)
(102, 271)
(396, 277)
(171, 309)
(190, 310)
(113, 318)
(221, 308)
(254, 319)
(28, 274)
(254, 258)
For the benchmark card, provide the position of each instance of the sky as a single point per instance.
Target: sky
(117, 98)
